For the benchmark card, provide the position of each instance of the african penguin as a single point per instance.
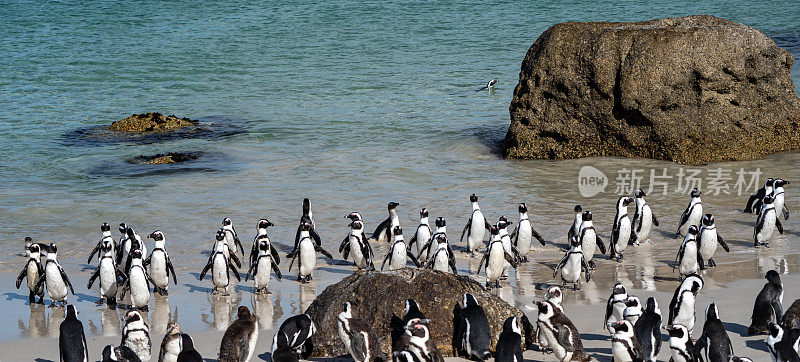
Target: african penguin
(494, 259)
(417, 340)
(791, 318)
(430, 247)
(555, 297)
(105, 229)
(708, 239)
(633, 309)
(643, 219)
(55, 280)
(471, 330)
(231, 237)
(239, 341)
(572, 265)
(34, 272)
(624, 345)
(768, 306)
(188, 353)
(384, 231)
(508, 345)
(767, 222)
(692, 214)
(621, 230)
(398, 254)
(688, 257)
(138, 282)
(264, 263)
(576, 223)
(443, 258)
(160, 264)
(588, 238)
(755, 200)
(306, 218)
(357, 245)
(714, 341)
(783, 343)
(615, 307)
(780, 198)
(524, 233)
(489, 86)
(134, 243)
(71, 340)
(561, 334)
(171, 344)
(136, 335)
(119, 354)
(423, 234)
(648, 330)
(476, 226)
(306, 254)
(357, 335)
(681, 307)
(110, 275)
(292, 341)
(680, 343)
(220, 265)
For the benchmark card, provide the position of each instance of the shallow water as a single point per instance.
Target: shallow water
(352, 105)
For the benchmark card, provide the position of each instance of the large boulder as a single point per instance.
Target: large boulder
(151, 122)
(380, 295)
(692, 90)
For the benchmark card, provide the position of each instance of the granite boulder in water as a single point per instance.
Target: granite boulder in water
(151, 122)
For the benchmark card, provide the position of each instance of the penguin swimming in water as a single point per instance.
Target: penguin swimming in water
(643, 219)
(489, 86)
(306, 254)
(265, 262)
(71, 340)
(680, 343)
(767, 222)
(588, 239)
(423, 234)
(119, 354)
(524, 233)
(441, 229)
(34, 272)
(105, 229)
(688, 257)
(357, 245)
(476, 226)
(615, 307)
(708, 239)
(138, 282)
(56, 280)
(472, 329)
(494, 259)
(231, 237)
(384, 231)
(239, 341)
(398, 254)
(633, 309)
(783, 343)
(357, 335)
(755, 200)
(624, 345)
(136, 335)
(508, 345)
(307, 217)
(160, 264)
(572, 265)
(293, 339)
(780, 198)
(681, 307)
(714, 339)
(576, 223)
(220, 265)
(417, 340)
(561, 334)
(110, 275)
(443, 258)
(648, 330)
(692, 214)
(768, 306)
(621, 231)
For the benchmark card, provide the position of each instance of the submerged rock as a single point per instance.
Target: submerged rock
(165, 158)
(379, 296)
(692, 90)
(151, 122)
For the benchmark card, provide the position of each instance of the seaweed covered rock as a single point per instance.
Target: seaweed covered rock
(151, 122)
(165, 158)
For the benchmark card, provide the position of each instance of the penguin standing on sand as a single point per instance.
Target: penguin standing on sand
(755, 200)
(384, 231)
(417, 340)
(621, 232)
(633, 309)
(160, 264)
(188, 353)
(171, 344)
(231, 237)
(782, 343)
(239, 341)
(306, 254)
(572, 265)
(265, 262)
(708, 239)
(588, 238)
(357, 335)
(680, 343)
(768, 306)
(56, 281)
(443, 258)
(71, 340)
(555, 297)
(643, 219)
(476, 226)
(494, 259)
(136, 335)
(119, 354)
(791, 318)
(624, 345)
(472, 329)
(293, 339)
(688, 257)
(261, 234)
(138, 282)
(398, 254)
(110, 275)
(357, 245)
(220, 265)
(524, 233)
(105, 229)
(123, 246)
(576, 223)
(681, 307)
(648, 330)
(502, 228)
(767, 222)
(780, 198)
(34, 272)
(134, 243)
(441, 229)
(508, 345)
(561, 334)
(423, 234)
(307, 217)
(692, 214)
(714, 339)
(615, 307)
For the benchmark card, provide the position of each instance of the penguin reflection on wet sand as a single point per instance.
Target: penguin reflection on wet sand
(306, 254)
(34, 272)
(71, 339)
(239, 341)
(768, 305)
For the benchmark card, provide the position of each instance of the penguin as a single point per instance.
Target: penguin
(171, 344)
(714, 340)
(692, 214)
(398, 254)
(134, 243)
(424, 233)
(55, 280)
(261, 234)
(138, 282)
(411, 311)
(357, 335)
(554, 296)
(643, 219)
(767, 222)
(648, 330)
(472, 329)
(220, 266)
(265, 262)
(688, 258)
(572, 265)
(615, 307)
(160, 264)
(357, 245)
(621, 231)
(489, 86)
(783, 343)
(34, 272)
(791, 318)
(110, 275)
(136, 335)
(293, 339)
(119, 354)
(443, 258)
(307, 217)
(494, 259)
(384, 231)
(71, 340)
(561, 334)
(476, 226)
(633, 309)
(417, 340)
(768, 305)
(680, 343)
(779, 198)
(231, 237)
(576, 223)
(105, 229)
(588, 238)
(239, 341)
(508, 345)
(124, 245)
(307, 251)
(188, 353)
(624, 345)
(505, 237)
(755, 200)
(681, 307)
(404, 356)
(524, 233)
(441, 229)
(708, 239)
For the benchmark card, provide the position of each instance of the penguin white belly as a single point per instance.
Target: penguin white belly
(524, 239)
(507, 248)
(158, 269)
(677, 356)
(571, 271)
(423, 236)
(263, 273)
(399, 256)
(225, 250)
(231, 242)
(768, 227)
(441, 263)
(778, 203)
(624, 234)
(355, 251)
(478, 230)
(617, 311)
(108, 279)
(647, 223)
(140, 292)
(32, 275)
(139, 343)
(689, 260)
(686, 315)
(345, 337)
(497, 261)
(589, 244)
(558, 350)
(56, 287)
(695, 215)
(172, 349)
(251, 341)
(620, 352)
(219, 272)
(308, 257)
(708, 244)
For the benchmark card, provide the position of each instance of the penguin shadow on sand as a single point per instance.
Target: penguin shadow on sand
(11, 296)
(757, 344)
(738, 329)
(43, 360)
(197, 288)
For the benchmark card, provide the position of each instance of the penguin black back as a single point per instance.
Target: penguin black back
(714, 339)
(71, 340)
(767, 306)
(188, 353)
(509, 344)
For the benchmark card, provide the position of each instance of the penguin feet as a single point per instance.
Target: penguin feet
(53, 304)
(711, 262)
(41, 300)
(524, 259)
(100, 301)
(163, 292)
(592, 266)
(575, 286)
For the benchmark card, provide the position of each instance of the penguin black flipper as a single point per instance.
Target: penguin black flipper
(292, 261)
(275, 257)
(467, 230)
(785, 212)
(637, 220)
(172, 270)
(516, 255)
(585, 269)
(412, 241)
(537, 236)
(345, 243)
(655, 221)
(723, 244)
(319, 249)
(254, 251)
(389, 254)
(91, 278)
(120, 275)
(451, 259)
(511, 260)
(235, 272)
(612, 245)
(206, 268)
(483, 262)
(412, 257)
(748, 209)
(94, 251)
(359, 345)
(315, 237)
(275, 268)
(382, 227)
(560, 264)
(235, 259)
(514, 235)
(684, 217)
(563, 336)
(252, 267)
(236, 240)
(66, 279)
(600, 244)
(22, 275)
(147, 260)
(427, 245)
(779, 225)
(777, 308)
